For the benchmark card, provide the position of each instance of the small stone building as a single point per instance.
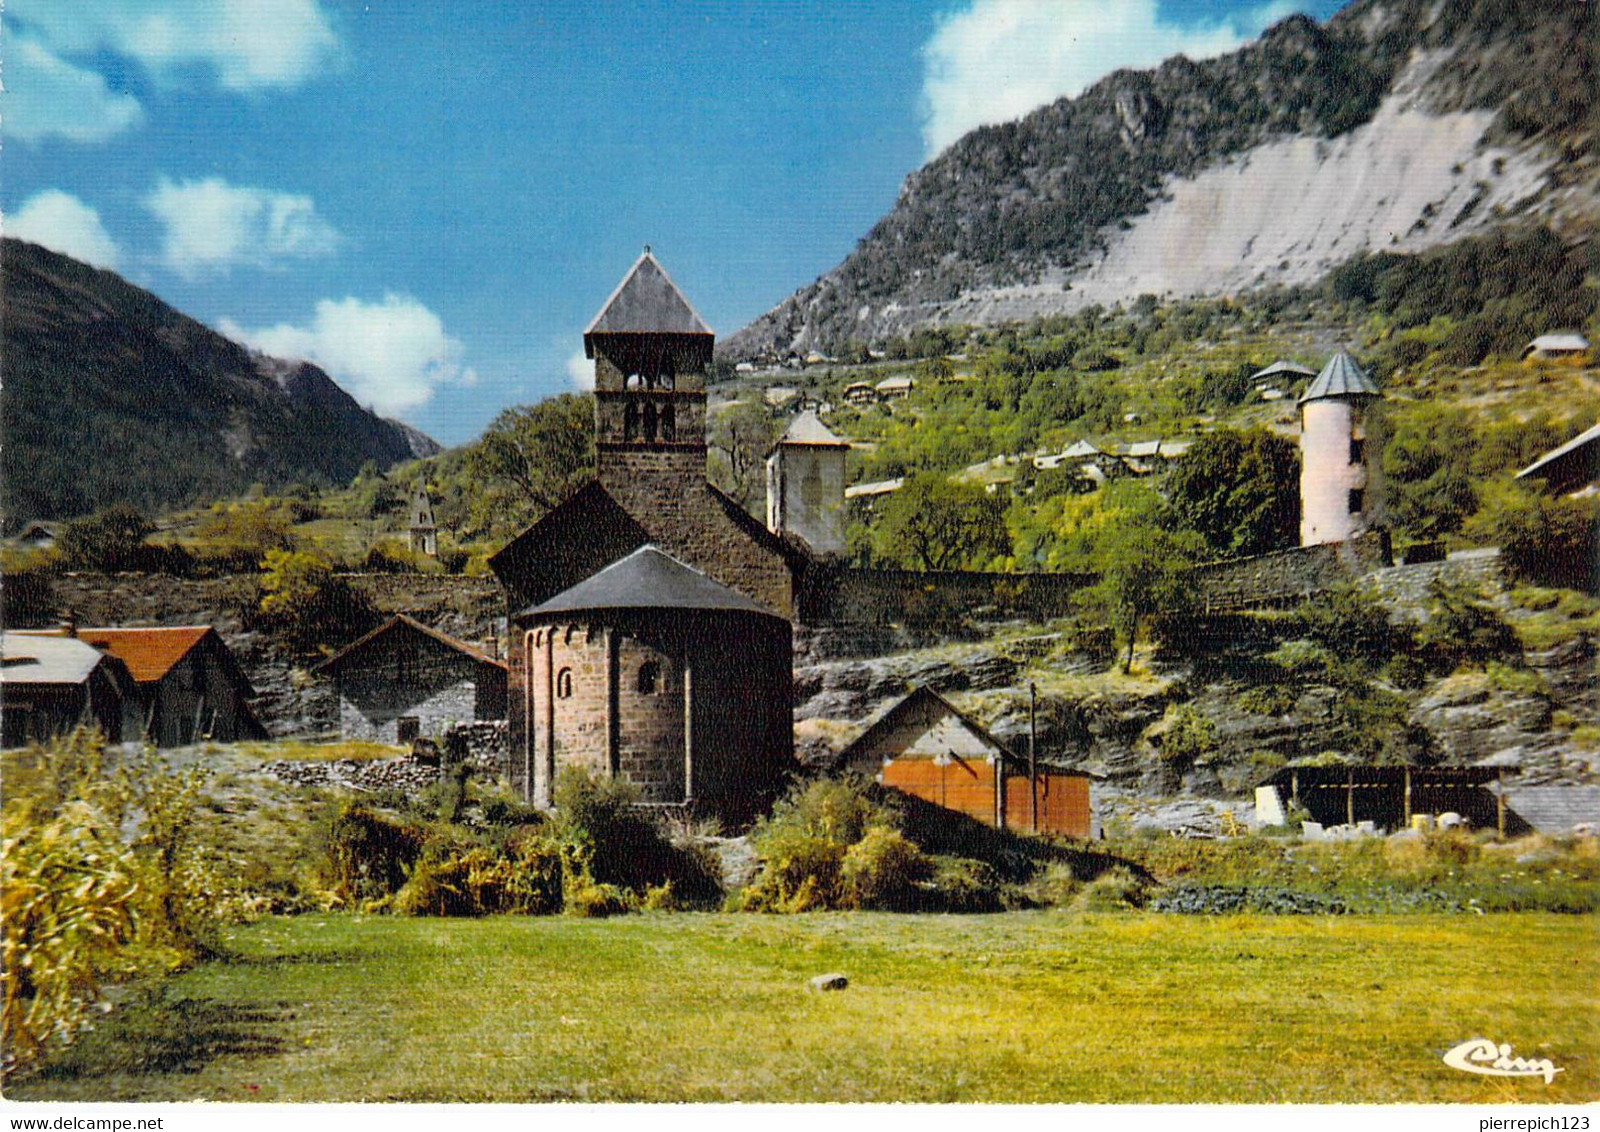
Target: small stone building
(652, 672)
(52, 684)
(927, 747)
(403, 681)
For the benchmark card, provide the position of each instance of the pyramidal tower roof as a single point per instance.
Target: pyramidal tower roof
(646, 302)
(1341, 377)
(807, 428)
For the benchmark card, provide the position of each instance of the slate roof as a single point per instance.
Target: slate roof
(1283, 367)
(30, 659)
(645, 302)
(401, 622)
(807, 428)
(1571, 465)
(1341, 377)
(1555, 809)
(648, 578)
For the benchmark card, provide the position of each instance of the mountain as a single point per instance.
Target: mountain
(1397, 126)
(110, 395)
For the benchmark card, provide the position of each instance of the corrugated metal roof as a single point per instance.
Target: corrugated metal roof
(646, 302)
(807, 428)
(647, 579)
(29, 659)
(1341, 377)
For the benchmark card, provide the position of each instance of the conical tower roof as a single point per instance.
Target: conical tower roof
(645, 302)
(1341, 377)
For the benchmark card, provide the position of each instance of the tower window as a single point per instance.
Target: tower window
(668, 423)
(1358, 450)
(630, 422)
(649, 678)
(650, 422)
(564, 684)
(1357, 499)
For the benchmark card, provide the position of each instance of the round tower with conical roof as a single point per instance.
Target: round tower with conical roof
(1333, 466)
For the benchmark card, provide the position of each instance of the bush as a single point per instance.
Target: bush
(370, 856)
(1114, 890)
(109, 540)
(963, 885)
(613, 844)
(802, 844)
(1349, 624)
(882, 871)
(1189, 737)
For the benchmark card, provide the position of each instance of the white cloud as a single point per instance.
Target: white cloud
(46, 96)
(391, 355)
(580, 371)
(248, 44)
(212, 226)
(62, 222)
(996, 60)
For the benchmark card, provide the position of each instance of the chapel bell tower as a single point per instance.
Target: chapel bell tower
(651, 351)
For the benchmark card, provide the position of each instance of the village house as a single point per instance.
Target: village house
(189, 686)
(404, 681)
(52, 684)
(860, 393)
(1569, 468)
(924, 746)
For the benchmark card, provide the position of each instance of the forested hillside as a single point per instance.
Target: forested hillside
(112, 396)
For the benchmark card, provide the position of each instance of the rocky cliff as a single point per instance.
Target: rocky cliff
(1397, 126)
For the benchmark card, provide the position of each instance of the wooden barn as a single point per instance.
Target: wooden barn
(927, 747)
(49, 685)
(404, 680)
(190, 686)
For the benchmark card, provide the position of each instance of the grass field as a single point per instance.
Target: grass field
(1026, 1007)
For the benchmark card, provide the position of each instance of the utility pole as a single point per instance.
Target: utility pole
(1033, 754)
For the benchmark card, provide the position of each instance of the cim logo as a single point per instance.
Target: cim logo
(1480, 1055)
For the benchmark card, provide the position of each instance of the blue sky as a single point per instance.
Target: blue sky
(430, 200)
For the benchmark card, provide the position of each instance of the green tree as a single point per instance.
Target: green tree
(1140, 557)
(1550, 540)
(1240, 491)
(740, 438)
(242, 534)
(935, 523)
(109, 540)
(1427, 469)
(530, 458)
(308, 602)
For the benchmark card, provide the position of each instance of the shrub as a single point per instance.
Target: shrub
(1266, 699)
(1349, 623)
(1462, 627)
(1114, 890)
(963, 885)
(370, 856)
(1189, 737)
(882, 871)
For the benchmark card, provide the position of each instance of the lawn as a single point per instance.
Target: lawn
(1033, 1006)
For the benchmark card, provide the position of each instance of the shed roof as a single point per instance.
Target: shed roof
(645, 302)
(1283, 367)
(1573, 463)
(1368, 775)
(1341, 377)
(649, 578)
(1567, 341)
(401, 623)
(881, 487)
(807, 428)
(26, 658)
(923, 696)
(1080, 449)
